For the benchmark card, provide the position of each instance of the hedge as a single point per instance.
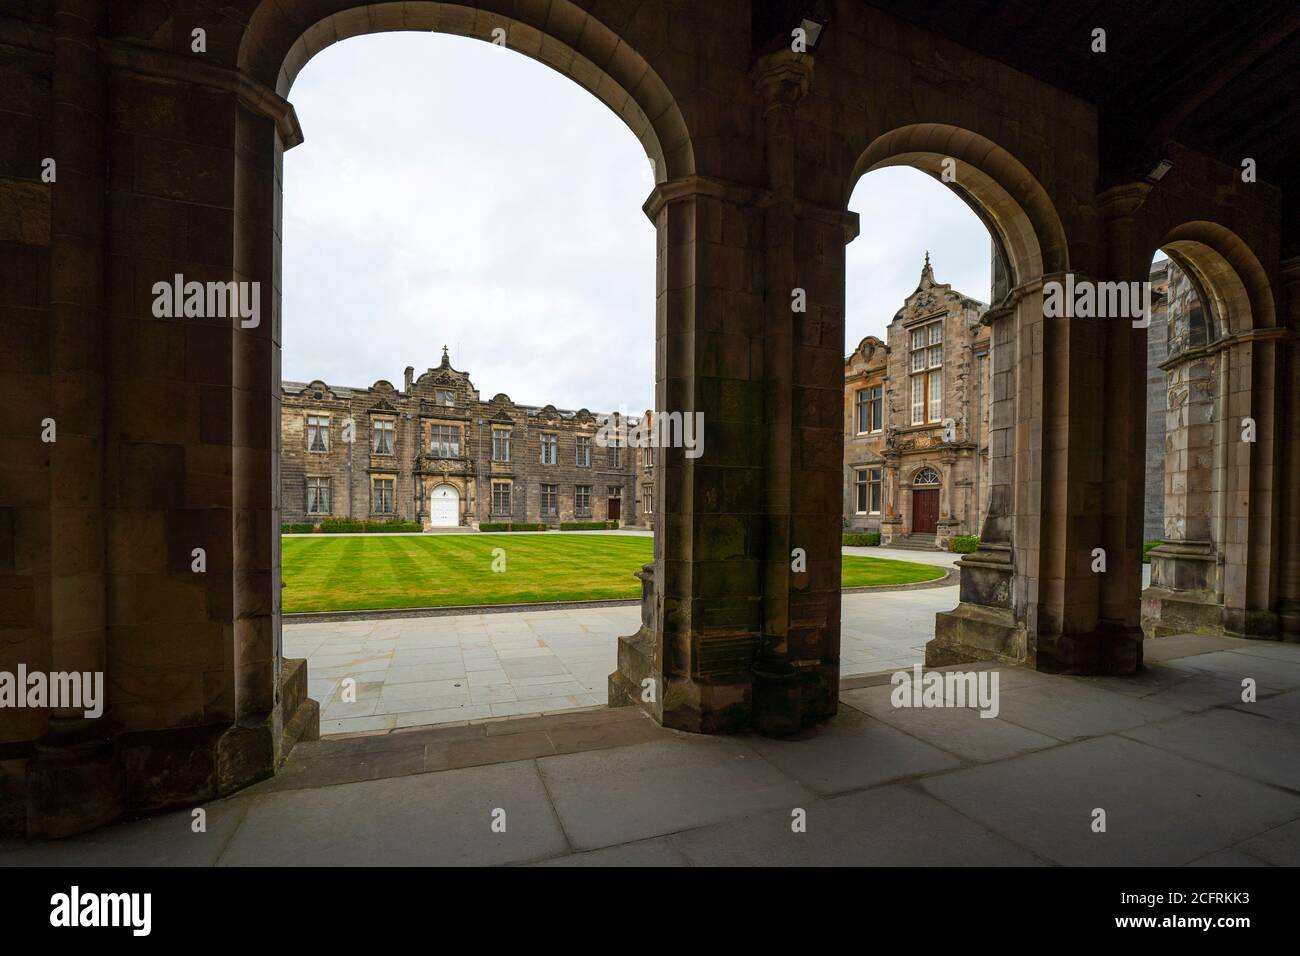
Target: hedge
(587, 525)
(510, 526)
(861, 539)
(358, 526)
(297, 528)
(963, 543)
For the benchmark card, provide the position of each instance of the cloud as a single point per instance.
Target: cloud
(452, 192)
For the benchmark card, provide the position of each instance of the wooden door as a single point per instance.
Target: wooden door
(615, 508)
(925, 510)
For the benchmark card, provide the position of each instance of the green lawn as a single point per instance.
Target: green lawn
(337, 573)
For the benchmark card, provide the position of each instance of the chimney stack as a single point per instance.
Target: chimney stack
(410, 377)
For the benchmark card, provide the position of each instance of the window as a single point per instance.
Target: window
(500, 444)
(501, 498)
(550, 499)
(318, 433)
(550, 445)
(649, 457)
(444, 441)
(648, 499)
(444, 396)
(868, 488)
(318, 496)
(381, 430)
(926, 367)
(381, 496)
(583, 458)
(870, 410)
(926, 476)
(582, 501)
(615, 452)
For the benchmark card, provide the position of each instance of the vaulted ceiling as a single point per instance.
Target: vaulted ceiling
(1223, 78)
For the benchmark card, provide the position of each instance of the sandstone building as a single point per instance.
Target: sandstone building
(916, 421)
(437, 453)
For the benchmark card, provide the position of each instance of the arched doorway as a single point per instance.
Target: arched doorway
(925, 501)
(444, 506)
(1216, 567)
(274, 48)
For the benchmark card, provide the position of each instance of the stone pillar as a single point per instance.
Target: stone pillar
(1123, 410)
(1287, 467)
(1251, 543)
(742, 640)
(1033, 598)
(983, 623)
(75, 781)
(692, 670)
(783, 80)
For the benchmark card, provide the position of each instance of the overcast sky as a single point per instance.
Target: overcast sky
(452, 192)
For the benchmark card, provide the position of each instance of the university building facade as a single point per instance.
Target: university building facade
(436, 453)
(916, 421)
(916, 414)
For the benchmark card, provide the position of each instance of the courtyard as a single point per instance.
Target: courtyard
(415, 671)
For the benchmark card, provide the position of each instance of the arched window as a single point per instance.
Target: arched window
(926, 476)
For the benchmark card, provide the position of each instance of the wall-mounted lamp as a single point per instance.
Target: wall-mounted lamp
(1158, 171)
(813, 27)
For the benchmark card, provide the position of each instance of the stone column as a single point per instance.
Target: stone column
(691, 670)
(783, 80)
(1251, 544)
(74, 783)
(1035, 599)
(1123, 411)
(1287, 467)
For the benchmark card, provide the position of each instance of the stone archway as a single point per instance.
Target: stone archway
(1217, 568)
(276, 44)
(1030, 536)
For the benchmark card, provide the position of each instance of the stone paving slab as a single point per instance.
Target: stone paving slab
(1213, 786)
(609, 797)
(442, 819)
(1162, 809)
(889, 826)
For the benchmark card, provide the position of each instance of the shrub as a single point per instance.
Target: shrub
(861, 539)
(587, 525)
(963, 543)
(357, 526)
(1146, 550)
(297, 528)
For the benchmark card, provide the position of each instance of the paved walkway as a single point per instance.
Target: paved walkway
(419, 671)
(416, 671)
(1185, 772)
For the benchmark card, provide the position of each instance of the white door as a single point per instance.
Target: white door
(444, 507)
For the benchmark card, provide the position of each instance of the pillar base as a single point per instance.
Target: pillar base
(975, 632)
(1166, 612)
(85, 774)
(1111, 649)
(75, 780)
